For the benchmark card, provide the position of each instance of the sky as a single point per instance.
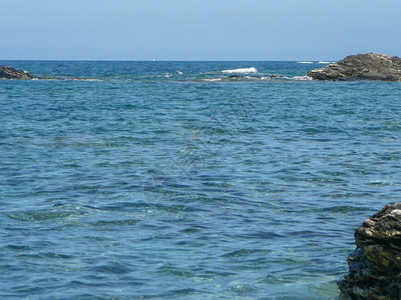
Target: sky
(197, 29)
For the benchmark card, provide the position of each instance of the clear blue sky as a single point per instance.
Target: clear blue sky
(198, 29)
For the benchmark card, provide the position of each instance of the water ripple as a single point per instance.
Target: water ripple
(146, 186)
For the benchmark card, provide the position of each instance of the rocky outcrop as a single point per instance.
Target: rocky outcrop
(370, 66)
(375, 265)
(11, 73)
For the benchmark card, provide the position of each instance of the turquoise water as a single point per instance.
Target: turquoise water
(173, 180)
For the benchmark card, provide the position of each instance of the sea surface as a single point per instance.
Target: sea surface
(188, 180)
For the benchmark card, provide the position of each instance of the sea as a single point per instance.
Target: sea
(189, 180)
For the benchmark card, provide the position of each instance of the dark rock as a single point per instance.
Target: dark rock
(370, 66)
(11, 73)
(375, 265)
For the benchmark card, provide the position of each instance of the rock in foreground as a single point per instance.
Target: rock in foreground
(370, 66)
(375, 265)
(11, 73)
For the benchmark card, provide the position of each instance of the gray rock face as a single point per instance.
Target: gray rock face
(11, 73)
(370, 66)
(375, 265)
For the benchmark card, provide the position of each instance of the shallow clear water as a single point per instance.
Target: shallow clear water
(156, 184)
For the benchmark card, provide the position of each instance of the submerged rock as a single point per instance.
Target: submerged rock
(11, 73)
(370, 66)
(375, 265)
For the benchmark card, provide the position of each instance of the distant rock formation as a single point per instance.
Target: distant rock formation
(375, 265)
(370, 66)
(11, 73)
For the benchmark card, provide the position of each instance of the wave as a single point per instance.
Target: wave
(241, 70)
(210, 79)
(323, 62)
(302, 77)
(234, 78)
(280, 77)
(229, 79)
(305, 62)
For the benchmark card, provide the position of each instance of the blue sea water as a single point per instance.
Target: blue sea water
(173, 180)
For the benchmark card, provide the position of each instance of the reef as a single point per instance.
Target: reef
(11, 73)
(369, 66)
(375, 265)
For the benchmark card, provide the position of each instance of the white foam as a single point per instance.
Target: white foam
(302, 78)
(266, 78)
(179, 72)
(210, 79)
(305, 62)
(167, 75)
(323, 62)
(241, 70)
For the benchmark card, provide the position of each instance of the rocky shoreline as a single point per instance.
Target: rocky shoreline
(375, 265)
(369, 66)
(11, 73)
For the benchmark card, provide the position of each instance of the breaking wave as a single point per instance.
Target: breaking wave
(302, 78)
(237, 78)
(241, 70)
